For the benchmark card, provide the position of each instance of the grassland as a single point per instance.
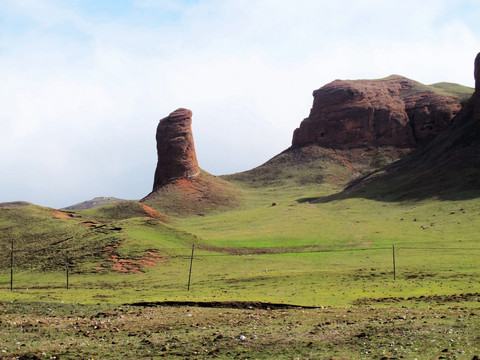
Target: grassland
(279, 245)
(295, 252)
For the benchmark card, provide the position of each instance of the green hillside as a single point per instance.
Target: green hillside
(43, 238)
(200, 195)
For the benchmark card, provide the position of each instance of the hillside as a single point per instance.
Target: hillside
(447, 168)
(95, 202)
(314, 164)
(103, 239)
(356, 127)
(198, 195)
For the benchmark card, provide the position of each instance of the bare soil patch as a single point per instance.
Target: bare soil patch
(63, 215)
(149, 259)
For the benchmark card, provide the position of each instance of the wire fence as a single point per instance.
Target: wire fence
(64, 259)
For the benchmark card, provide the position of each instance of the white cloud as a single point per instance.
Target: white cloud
(82, 96)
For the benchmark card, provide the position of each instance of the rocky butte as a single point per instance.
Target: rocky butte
(175, 149)
(394, 111)
(476, 72)
(448, 167)
(180, 187)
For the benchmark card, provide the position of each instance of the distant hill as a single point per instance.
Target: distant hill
(12, 204)
(95, 202)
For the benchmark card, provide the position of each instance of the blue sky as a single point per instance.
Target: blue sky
(84, 83)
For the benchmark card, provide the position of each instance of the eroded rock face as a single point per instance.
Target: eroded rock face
(394, 111)
(175, 148)
(476, 72)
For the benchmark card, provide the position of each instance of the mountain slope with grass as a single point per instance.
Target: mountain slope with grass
(200, 195)
(447, 168)
(95, 202)
(314, 164)
(117, 237)
(356, 127)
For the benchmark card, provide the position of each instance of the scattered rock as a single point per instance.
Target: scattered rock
(361, 335)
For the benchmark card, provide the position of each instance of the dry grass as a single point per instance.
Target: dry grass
(48, 331)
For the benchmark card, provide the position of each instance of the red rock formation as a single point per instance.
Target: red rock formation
(476, 72)
(446, 168)
(394, 111)
(176, 151)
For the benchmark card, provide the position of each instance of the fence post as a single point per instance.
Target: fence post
(394, 273)
(67, 270)
(190, 272)
(11, 268)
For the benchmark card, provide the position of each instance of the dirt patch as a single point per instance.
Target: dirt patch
(91, 224)
(261, 251)
(64, 215)
(149, 212)
(149, 259)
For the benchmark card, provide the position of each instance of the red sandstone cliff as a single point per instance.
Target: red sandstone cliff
(175, 149)
(180, 187)
(448, 167)
(394, 111)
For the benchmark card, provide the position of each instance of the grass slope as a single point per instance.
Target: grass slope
(457, 91)
(313, 164)
(447, 168)
(95, 202)
(94, 240)
(198, 195)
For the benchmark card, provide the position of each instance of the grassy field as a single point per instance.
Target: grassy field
(295, 252)
(280, 245)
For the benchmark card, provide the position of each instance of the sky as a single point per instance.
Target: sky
(83, 83)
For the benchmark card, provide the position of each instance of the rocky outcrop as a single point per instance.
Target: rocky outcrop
(476, 72)
(448, 167)
(175, 149)
(394, 111)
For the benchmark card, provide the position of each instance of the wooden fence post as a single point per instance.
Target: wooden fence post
(190, 272)
(394, 272)
(11, 268)
(67, 270)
